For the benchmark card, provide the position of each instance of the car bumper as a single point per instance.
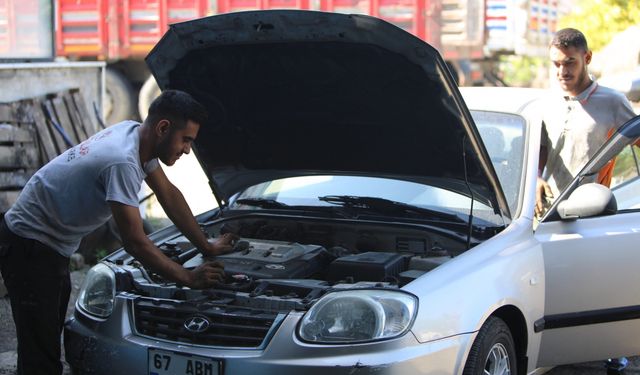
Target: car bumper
(111, 347)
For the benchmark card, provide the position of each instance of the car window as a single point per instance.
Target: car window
(626, 167)
(503, 136)
(625, 181)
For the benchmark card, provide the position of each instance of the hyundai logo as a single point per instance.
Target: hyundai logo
(197, 324)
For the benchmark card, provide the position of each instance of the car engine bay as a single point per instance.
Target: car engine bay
(290, 262)
(280, 264)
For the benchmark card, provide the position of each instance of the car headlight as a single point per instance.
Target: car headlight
(358, 316)
(98, 292)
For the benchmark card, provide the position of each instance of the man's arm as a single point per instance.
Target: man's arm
(542, 161)
(138, 244)
(625, 111)
(178, 211)
(543, 191)
(625, 114)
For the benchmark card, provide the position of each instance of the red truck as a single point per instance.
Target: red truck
(122, 32)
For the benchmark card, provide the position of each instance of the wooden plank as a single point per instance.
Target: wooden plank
(23, 112)
(48, 146)
(47, 110)
(15, 179)
(7, 199)
(63, 116)
(15, 133)
(74, 115)
(19, 157)
(87, 120)
(6, 112)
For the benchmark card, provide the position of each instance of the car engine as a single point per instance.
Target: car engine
(298, 253)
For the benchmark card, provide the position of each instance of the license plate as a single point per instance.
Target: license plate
(162, 362)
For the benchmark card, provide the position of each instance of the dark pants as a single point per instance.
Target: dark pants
(37, 278)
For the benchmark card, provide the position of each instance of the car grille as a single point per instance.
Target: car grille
(228, 326)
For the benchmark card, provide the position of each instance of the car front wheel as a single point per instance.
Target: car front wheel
(493, 351)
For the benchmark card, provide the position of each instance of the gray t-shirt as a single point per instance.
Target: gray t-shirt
(576, 127)
(69, 197)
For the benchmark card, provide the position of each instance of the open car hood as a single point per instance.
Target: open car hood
(293, 93)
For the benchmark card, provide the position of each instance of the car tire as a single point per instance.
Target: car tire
(119, 101)
(493, 351)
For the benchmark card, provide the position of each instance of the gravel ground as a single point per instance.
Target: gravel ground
(8, 342)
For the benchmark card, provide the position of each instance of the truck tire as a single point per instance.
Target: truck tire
(149, 91)
(119, 101)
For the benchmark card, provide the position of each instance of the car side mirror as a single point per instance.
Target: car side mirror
(588, 200)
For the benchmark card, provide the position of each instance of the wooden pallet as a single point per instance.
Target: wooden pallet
(34, 131)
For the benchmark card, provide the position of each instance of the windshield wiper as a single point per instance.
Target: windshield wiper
(273, 204)
(386, 206)
(262, 203)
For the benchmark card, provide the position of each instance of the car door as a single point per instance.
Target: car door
(592, 268)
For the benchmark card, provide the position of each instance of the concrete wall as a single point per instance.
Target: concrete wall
(28, 80)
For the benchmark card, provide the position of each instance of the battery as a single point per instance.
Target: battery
(367, 266)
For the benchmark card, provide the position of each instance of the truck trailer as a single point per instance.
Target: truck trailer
(470, 34)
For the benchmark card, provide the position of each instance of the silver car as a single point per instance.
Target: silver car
(385, 228)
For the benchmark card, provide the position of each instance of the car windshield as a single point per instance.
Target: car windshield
(376, 195)
(503, 135)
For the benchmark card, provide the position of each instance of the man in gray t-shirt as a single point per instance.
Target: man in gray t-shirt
(577, 120)
(77, 192)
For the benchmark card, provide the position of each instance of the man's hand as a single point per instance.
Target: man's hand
(206, 275)
(543, 191)
(221, 245)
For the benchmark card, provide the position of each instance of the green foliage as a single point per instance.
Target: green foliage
(600, 20)
(521, 71)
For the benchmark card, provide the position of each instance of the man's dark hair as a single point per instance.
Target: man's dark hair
(177, 107)
(569, 38)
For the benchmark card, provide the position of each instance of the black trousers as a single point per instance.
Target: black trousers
(37, 278)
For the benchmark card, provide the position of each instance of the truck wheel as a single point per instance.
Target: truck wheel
(149, 91)
(493, 352)
(119, 101)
